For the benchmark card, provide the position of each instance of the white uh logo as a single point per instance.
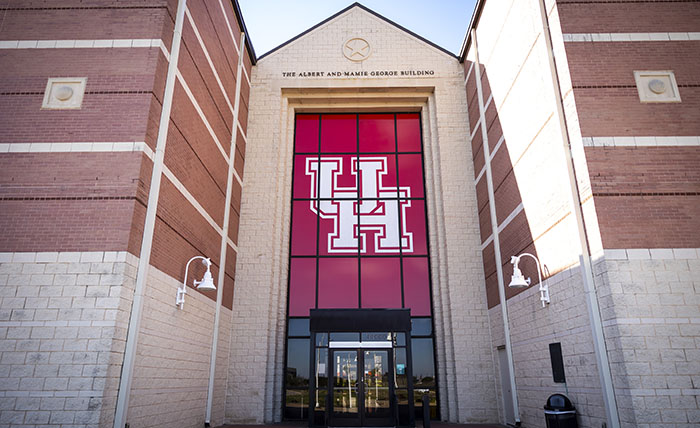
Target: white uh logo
(380, 216)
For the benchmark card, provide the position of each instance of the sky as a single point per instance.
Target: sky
(272, 22)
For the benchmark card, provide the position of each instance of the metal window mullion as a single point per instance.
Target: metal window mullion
(359, 218)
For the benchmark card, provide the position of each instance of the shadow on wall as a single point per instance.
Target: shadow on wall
(512, 226)
(520, 140)
(514, 230)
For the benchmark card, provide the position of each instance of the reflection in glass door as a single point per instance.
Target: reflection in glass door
(361, 398)
(377, 388)
(345, 388)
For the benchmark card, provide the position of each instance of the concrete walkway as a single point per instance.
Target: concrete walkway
(419, 424)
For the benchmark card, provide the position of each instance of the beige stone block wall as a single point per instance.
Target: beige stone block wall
(63, 319)
(533, 328)
(63, 323)
(650, 303)
(171, 372)
(465, 363)
(465, 367)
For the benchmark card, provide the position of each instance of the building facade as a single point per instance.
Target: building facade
(359, 192)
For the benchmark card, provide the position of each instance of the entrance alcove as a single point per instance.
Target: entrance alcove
(279, 94)
(390, 400)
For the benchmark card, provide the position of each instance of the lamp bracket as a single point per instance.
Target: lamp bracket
(543, 286)
(182, 290)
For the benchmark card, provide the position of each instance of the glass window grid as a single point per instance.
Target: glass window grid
(400, 390)
(323, 344)
(289, 412)
(323, 390)
(360, 255)
(435, 413)
(434, 393)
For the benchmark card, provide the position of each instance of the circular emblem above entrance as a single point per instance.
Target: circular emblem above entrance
(356, 49)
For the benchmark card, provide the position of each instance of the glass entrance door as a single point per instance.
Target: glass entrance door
(377, 388)
(345, 406)
(361, 388)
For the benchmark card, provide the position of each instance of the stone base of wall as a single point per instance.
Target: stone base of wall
(171, 371)
(63, 319)
(63, 324)
(533, 328)
(650, 304)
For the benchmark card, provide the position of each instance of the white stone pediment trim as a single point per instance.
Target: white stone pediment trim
(343, 13)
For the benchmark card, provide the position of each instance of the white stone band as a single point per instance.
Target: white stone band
(640, 141)
(129, 146)
(630, 37)
(71, 44)
(63, 257)
(652, 254)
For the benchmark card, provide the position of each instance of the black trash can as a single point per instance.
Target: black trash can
(559, 412)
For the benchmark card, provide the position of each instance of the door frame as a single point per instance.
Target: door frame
(508, 409)
(363, 321)
(344, 422)
(362, 419)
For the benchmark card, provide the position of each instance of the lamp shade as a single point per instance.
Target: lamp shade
(207, 283)
(517, 280)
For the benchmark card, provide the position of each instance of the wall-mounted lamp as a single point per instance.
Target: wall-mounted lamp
(206, 284)
(519, 281)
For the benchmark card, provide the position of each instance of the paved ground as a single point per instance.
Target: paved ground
(418, 424)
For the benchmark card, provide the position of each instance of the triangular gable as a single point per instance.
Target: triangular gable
(370, 11)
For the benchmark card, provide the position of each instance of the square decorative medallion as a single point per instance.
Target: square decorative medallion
(64, 93)
(657, 87)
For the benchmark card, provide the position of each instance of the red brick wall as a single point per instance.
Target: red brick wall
(74, 20)
(118, 93)
(187, 124)
(632, 16)
(649, 221)
(88, 224)
(183, 161)
(97, 201)
(516, 236)
(527, 168)
(192, 153)
(76, 201)
(645, 197)
(606, 94)
(472, 95)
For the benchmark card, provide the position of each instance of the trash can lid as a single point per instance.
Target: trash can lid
(559, 402)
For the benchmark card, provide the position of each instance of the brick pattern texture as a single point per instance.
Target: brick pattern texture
(650, 303)
(171, 372)
(63, 319)
(648, 297)
(534, 213)
(533, 328)
(66, 314)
